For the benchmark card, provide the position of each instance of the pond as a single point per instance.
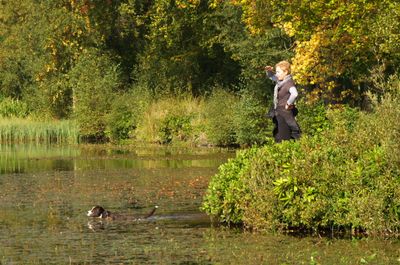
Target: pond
(46, 191)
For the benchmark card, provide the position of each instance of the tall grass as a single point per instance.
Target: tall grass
(16, 130)
(222, 119)
(172, 120)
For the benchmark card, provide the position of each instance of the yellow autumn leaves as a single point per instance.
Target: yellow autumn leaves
(331, 39)
(183, 4)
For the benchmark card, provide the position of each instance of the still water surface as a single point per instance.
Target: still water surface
(45, 192)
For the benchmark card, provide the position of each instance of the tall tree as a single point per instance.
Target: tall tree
(40, 43)
(336, 42)
(181, 55)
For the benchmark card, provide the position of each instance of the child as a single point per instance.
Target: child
(285, 94)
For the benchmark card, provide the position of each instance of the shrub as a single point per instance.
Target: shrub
(312, 118)
(120, 121)
(220, 111)
(174, 126)
(126, 113)
(13, 108)
(226, 189)
(251, 124)
(94, 79)
(346, 177)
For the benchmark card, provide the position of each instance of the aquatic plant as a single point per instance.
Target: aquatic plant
(15, 130)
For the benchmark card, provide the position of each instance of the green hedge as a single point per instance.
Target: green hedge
(346, 177)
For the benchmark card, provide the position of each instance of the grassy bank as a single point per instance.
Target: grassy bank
(220, 119)
(347, 177)
(24, 130)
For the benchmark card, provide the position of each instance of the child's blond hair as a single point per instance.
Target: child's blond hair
(284, 65)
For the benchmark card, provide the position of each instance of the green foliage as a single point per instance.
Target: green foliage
(345, 177)
(41, 41)
(19, 66)
(252, 52)
(220, 112)
(172, 126)
(13, 108)
(250, 122)
(51, 98)
(182, 54)
(227, 190)
(120, 121)
(95, 79)
(16, 130)
(173, 120)
(126, 113)
(344, 116)
(312, 118)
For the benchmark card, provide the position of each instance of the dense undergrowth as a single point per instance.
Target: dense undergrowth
(223, 119)
(344, 177)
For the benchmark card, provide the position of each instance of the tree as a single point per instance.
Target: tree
(336, 42)
(181, 55)
(96, 79)
(41, 40)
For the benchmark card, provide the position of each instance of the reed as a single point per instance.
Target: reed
(17, 130)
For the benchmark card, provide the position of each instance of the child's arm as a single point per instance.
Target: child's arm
(293, 95)
(269, 71)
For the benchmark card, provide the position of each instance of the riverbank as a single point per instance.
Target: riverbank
(222, 119)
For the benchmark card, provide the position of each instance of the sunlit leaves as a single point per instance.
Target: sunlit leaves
(335, 40)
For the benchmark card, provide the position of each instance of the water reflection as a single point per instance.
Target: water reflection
(35, 158)
(20, 158)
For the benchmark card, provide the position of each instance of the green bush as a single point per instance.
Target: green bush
(126, 112)
(226, 189)
(312, 118)
(250, 121)
(120, 121)
(94, 79)
(346, 177)
(220, 112)
(175, 127)
(13, 108)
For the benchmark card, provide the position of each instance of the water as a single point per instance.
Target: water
(45, 192)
